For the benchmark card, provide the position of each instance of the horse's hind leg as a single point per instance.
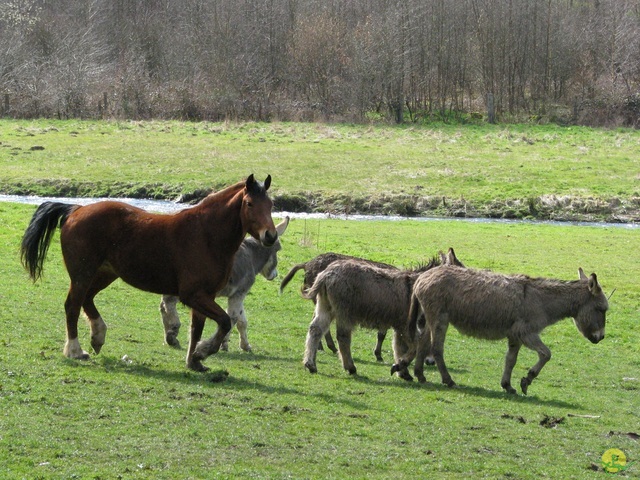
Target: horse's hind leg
(544, 355)
(96, 323)
(170, 320)
(509, 363)
(72, 305)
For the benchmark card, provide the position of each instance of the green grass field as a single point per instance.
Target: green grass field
(517, 171)
(134, 411)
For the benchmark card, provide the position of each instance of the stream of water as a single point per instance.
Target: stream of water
(165, 206)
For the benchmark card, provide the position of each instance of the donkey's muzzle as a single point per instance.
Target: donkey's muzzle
(596, 337)
(269, 238)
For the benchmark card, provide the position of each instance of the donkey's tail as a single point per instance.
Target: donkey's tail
(415, 314)
(39, 233)
(318, 287)
(290, 275)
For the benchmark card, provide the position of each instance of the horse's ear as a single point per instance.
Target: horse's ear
(581, 273)
(594, 286)
(267, 183)
(282, 226)
(250, 183)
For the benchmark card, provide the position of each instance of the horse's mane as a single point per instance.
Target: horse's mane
(221, 196)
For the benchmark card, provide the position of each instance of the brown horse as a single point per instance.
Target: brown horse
(188, 254)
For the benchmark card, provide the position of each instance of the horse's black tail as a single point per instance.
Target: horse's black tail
(290, 275)
(37, 237)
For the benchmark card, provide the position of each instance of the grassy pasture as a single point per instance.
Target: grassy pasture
(146, 416)
(481, 168)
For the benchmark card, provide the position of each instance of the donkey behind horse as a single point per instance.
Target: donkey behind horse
(188, 254)
(493, 306)
(251, 260)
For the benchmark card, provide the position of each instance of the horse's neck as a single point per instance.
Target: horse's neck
(220, 214)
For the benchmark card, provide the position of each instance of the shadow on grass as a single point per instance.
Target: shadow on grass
(220, 378)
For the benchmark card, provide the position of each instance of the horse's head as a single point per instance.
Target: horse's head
(256, 211)
(592, 313)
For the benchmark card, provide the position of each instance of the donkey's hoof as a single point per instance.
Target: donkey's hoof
(510, 389)
(524, 385)
(197, 366)
(352, 371)
(421, 378)
(97, 347)
(378, 356)
(171, 339)
(398, 367)
(430, 361)
(450, 384)
(405, 375)
(311, 367)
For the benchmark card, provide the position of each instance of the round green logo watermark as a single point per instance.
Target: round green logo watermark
(614, 460)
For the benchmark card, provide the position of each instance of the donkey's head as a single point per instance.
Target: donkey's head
(592, 313)
(270, 269)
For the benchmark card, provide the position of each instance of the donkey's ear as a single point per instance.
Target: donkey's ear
(452, 259)
(443, 257)
(267, 183)
(594, 286)
(282, 226)
(581, 273)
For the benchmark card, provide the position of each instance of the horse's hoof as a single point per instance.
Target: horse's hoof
(450, 384)
(524, 385)
(378, 356)
(96, 348)
(246, 348)
(509, 389)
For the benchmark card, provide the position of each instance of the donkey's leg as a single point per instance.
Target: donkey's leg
(239, 319)
(438, 335)
(509, 363)
(343, 334)
(403, 354)
(544, 355)
(423, 352)
(319, 326)
(202, 306)
(170, 319)
(331, 345)
(382, 334)
(98, 328)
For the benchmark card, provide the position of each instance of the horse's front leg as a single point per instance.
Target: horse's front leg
(170, 319)
(203, 306)
(544, 355)
(509, 363)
